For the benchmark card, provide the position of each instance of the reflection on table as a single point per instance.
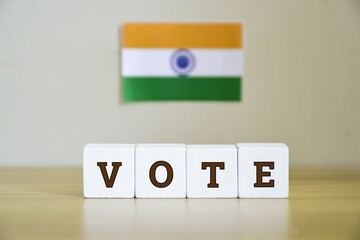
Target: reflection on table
(185, 218)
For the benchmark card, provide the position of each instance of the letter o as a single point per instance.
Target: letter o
(170, 174)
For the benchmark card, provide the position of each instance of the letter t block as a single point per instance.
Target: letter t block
(211, 171)
(263, 170)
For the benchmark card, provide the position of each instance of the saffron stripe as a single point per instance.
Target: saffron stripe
(182, 35)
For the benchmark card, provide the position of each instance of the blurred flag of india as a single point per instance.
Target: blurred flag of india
(182, 61)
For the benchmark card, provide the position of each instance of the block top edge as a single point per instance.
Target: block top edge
(109, 145)
(161, 145)
(213, 146)
(263, 145)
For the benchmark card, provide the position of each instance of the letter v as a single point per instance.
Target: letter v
(109, 182)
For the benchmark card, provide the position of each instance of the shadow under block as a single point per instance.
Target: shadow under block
(160, 171)
(109, 170)
(211, 171)
(263, 170)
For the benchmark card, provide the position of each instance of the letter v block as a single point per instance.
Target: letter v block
(263, 170)
(109, 170)
(211, 171)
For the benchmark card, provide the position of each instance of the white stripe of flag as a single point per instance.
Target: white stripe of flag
(156, 62)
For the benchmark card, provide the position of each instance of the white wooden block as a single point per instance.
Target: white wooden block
(263, 170)
(211, 171)
(160, 171)
(109, 170)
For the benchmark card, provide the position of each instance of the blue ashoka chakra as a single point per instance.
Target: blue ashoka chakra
(182, 62)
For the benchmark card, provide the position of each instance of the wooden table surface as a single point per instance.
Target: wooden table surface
(39, 203)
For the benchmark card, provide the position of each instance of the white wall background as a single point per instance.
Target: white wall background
(60, 84)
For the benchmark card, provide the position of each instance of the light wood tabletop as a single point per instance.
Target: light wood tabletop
(41, 203)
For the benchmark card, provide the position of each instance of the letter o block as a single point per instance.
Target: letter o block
(160, 171)
(263, 170)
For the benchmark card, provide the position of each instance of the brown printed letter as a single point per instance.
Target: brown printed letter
(170, 174)
(109, 182)
(260, 174)
(213, 166)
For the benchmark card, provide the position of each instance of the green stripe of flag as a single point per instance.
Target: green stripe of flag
(182, 88)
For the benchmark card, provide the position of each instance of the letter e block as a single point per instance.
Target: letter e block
(211, 171)
(109, 170)
(160, 171)
(263, 170)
